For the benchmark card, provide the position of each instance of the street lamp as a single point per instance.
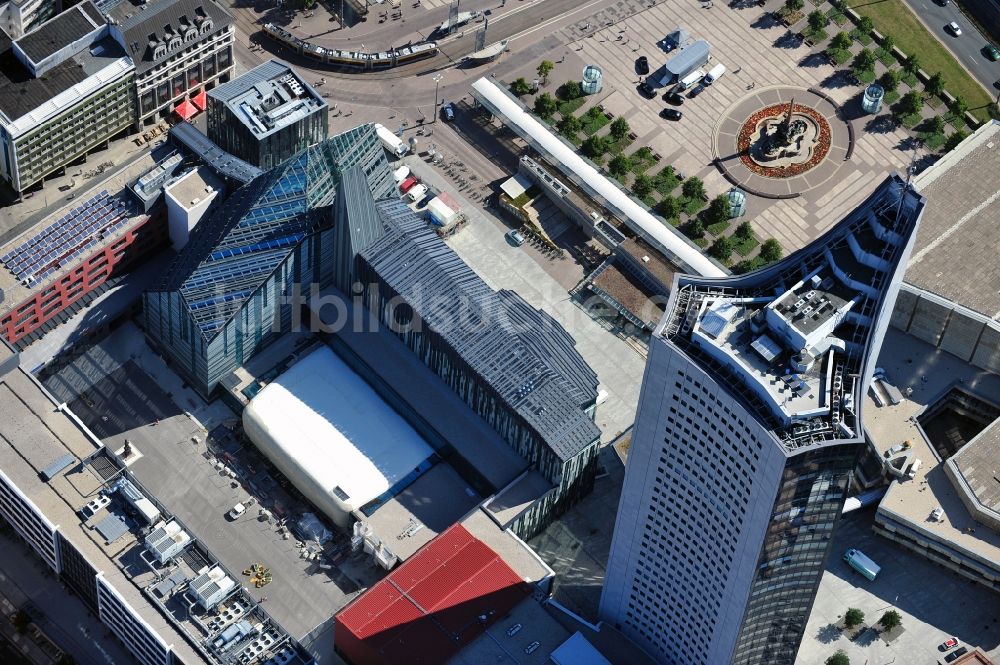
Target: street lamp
(437, 83)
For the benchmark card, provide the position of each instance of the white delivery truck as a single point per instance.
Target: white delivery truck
(714, 74)
(390, 141)
(691, 79)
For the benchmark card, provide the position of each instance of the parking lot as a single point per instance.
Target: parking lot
(935, 604)
(117, 399)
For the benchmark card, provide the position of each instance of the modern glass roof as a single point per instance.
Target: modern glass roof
(231, 254)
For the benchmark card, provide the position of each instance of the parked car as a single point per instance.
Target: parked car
(448, 112)
(956, 654)
(646, 90)
(991, 52)
(954, 29)
(642, 65)
(516, 237)
(671, 114)
(235, 512)
(673, 97)
(949, 643)
(697, 90)
(407, 184)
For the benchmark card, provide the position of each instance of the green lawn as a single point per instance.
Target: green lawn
(592, 122)
(894, 18)
(570, 107)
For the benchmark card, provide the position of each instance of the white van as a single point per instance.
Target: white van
(714, 74)
(691, 79)
(416, 193)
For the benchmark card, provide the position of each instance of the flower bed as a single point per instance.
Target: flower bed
(749, 129)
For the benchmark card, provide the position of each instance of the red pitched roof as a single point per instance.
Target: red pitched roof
(200, 100)
(429, 607)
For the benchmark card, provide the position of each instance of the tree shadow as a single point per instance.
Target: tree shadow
(789, 40)
(813, 60)
(839, 79)
(866, 637)
(908, 143)
(881, 124)
(765, 21)
(828, 633)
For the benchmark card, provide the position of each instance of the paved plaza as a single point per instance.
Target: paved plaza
(935, 604)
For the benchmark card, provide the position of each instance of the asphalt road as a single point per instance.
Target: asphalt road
(968, 48)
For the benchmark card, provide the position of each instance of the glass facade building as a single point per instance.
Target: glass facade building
(266, 115)
(222, 299)
(748, 428)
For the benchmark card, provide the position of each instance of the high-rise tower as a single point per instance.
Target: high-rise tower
(748, 427)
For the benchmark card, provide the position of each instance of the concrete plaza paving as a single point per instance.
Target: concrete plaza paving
(758, 52)
(935, 604)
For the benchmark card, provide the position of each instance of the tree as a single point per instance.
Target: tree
(569, 90)
(864, 61)
(853, 617)
(594, 146)
(911, 103)
(935, 85)
(645, 153)
(888, 42)
(912, 64)
(744, 231)
(866, 25)
(890, 80)
(721, 249)
(770, 251)
(719, 210)
(817, 20)
(959, 106)
(545, 105)
(545, 68)
(794, 5)
(619, 165)
(619, 129)
(841, 41)
(669, 207)
(520, 87)
(642, 186)
(935, 125)
(694, 228)
(570, 126)
(693, 188)
(954, 139)
(890, 620)
(839, 658)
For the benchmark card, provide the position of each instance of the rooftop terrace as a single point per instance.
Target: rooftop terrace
(268, 97)
(790, 340)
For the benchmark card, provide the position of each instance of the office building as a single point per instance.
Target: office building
(181, 49)
(747, 432)
(66, 88)
(512, 364)
(18, 17)
(266, 115)
(51, 271)
(189, 197)
(221, 300)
